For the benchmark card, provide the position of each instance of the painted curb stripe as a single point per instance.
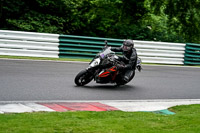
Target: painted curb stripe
(157, 106)
(21, 108)
(82, 107)
(149, 105)
(104, 106)
(37, 107)
(79, 106)
(15, 108)
(55, 107)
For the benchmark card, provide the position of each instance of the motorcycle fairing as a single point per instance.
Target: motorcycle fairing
(107, 76)
(108, 72)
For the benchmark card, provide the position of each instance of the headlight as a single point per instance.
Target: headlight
(95, 62)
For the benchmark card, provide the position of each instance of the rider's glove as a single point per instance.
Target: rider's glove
(120, 67)
(105, 66)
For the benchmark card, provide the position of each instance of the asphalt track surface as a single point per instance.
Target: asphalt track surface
(25, 80)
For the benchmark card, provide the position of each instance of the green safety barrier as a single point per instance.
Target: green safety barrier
(83, 46)
(192, 54)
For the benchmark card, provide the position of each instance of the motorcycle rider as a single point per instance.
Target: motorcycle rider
(130, 59)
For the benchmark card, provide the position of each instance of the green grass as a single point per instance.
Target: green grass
(186, 120)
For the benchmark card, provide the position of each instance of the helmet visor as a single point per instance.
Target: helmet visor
(127, 48)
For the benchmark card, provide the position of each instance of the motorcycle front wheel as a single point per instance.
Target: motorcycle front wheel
(83, 78)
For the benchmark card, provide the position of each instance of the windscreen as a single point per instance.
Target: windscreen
(106, 52)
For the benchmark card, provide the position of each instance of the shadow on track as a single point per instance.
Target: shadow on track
(109, 87)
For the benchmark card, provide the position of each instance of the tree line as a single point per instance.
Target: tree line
(171, 20)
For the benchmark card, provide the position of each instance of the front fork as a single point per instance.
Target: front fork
(93, 71)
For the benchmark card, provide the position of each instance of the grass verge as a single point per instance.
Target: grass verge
(44, 58)
(186, 119)
(70, 59)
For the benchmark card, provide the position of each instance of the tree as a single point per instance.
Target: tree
(51, 16)
(184, 16)
(172, 20)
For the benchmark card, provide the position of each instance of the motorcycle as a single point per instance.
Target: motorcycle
(103, 69)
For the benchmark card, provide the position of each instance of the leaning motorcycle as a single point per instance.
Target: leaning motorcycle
(103, 69)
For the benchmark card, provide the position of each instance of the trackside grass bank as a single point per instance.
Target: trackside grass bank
(186, 119)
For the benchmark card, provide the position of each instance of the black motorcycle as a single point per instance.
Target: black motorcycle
(103, 69)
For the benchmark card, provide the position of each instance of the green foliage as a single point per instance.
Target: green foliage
(172, 21)
(183, 17)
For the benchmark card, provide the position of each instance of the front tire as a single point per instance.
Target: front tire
(83, 78)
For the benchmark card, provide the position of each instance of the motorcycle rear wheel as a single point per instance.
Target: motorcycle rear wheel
(83, 78)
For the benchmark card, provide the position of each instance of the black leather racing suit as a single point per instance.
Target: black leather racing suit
(130, 60)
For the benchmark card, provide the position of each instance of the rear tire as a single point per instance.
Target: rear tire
(132, 76)
(83, 78)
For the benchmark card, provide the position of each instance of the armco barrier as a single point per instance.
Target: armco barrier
(33, 44)
(17, 43)
(192, 54)
(82, 46)
(160, 52)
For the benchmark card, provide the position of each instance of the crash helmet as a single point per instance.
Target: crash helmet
(127, 45)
